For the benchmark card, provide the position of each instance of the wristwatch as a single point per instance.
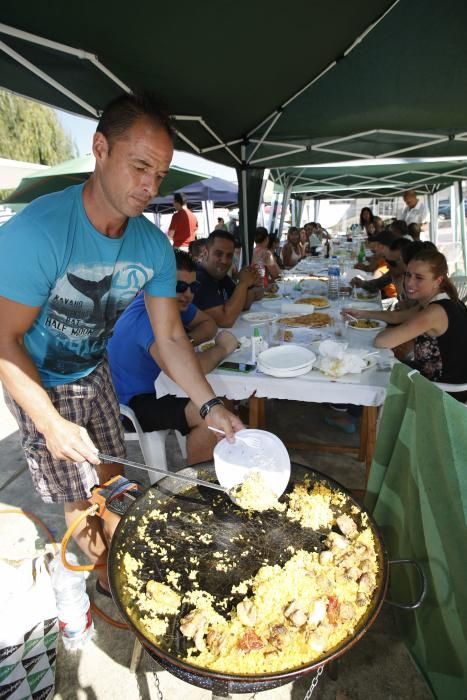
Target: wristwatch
(206, 407)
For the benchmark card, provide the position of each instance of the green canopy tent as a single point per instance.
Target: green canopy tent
(377, 179)
(380, 178)
(76, 170)
(369, 78)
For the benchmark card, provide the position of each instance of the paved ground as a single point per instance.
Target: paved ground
(377, 668)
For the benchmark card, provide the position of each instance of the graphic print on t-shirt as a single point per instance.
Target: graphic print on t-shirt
(81, 312)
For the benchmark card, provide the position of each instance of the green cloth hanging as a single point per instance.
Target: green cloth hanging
(417, 492)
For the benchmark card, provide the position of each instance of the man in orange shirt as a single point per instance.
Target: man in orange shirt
(183, 225)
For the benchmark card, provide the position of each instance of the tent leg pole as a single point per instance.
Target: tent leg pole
(244, 211)
(461, 215)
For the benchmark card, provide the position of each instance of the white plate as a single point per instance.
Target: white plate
(381, 326)
(272, 304)
(313, 296)
(292, 309)
(233, 461)
(286, 357)
(259, 316)
(282, 374)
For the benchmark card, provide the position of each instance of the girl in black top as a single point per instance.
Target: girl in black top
(437, 324)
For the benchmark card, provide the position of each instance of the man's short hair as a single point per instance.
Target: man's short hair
(399, 227)
(180, 198)
(414, 248)
(414, 230)
(400, 244)
(184, 261)
(196, 247)
(122, 112)
(219, 233)
(383, 238)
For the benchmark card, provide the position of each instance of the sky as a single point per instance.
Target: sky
(80, 130)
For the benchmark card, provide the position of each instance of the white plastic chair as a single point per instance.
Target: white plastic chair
(152, 444)
(452, 388)
(460, 284)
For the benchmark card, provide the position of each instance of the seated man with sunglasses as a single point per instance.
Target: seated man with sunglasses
(135, 364)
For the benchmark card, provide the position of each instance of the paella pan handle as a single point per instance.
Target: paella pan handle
(423, 585)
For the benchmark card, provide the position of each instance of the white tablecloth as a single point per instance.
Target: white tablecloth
(365, 389)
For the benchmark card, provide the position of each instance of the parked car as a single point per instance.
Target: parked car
(444, 209)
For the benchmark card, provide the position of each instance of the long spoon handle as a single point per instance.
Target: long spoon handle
(164, 472)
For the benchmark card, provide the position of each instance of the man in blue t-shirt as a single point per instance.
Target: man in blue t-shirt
(69, 264)
(218, 294)
(134, 363)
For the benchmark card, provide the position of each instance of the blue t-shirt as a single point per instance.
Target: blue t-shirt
(133, 368)
(51, 256)
(212, 292)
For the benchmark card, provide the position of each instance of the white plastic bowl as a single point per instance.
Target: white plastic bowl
(363, 337)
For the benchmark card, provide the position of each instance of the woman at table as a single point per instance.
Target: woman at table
(367, 221)
(274, 245)
(263, 258)
(437, 325)
(304, 242)
(291, 252)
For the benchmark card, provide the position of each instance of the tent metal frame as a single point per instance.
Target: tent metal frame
(269, 121)
(368, 185)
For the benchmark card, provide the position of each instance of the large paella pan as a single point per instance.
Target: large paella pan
(181, 551)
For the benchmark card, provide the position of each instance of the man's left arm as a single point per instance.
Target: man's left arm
(180, 362)
(201, 328)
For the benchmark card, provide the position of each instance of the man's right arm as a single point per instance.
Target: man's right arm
(226, 314)
(19, 375)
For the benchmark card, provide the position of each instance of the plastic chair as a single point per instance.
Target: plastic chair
(152, 444)
(452, 388)
(460, 284)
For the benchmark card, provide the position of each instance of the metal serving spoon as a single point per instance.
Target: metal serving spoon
(182, 477)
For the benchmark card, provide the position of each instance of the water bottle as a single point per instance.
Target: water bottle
(73, 606)
(333, 278)
(362, 253)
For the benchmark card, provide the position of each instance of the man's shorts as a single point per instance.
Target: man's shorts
(89, 402)
(166, 413)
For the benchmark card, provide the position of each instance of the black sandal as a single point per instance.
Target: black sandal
(103, 591)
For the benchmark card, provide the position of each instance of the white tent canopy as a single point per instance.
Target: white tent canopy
(12, 172)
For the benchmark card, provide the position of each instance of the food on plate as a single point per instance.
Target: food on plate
(277, 617)
(270, 294)
(207, 346)
(254, 493)
(288, 336)
(364, 323)
(258, 316)
(315, 320)
(316, 301)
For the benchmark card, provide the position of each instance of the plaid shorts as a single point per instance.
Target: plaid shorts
(89, 402)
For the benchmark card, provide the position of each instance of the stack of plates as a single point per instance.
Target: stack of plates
(286, 361)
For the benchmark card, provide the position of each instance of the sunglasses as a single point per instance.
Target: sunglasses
(392, 263)
(183, 286)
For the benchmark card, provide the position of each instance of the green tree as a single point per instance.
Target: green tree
(31, 132)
